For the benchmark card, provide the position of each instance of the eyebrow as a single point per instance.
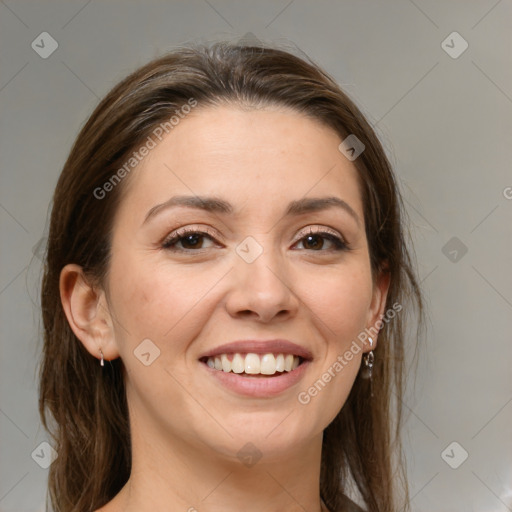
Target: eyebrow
(220, 206)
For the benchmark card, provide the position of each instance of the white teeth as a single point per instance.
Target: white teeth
(238, 364)
(226, 363)
(268, 364)
(254, 364)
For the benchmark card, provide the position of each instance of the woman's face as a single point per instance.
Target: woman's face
(263, 262)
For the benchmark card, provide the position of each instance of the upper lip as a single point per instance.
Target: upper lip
(278, 346)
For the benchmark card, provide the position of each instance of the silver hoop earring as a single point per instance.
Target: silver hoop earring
(102, 362)
(368, 360)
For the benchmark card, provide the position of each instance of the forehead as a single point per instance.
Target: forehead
(259, 156)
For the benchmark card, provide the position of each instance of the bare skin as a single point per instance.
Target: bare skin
(186, 427)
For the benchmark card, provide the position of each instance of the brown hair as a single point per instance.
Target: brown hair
(87, 403)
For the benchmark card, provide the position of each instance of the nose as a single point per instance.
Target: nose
(261, 289)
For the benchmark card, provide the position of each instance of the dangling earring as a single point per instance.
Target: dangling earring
(102, 363)
(368, 360)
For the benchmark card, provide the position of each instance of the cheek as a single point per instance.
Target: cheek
(159, 302)
(340, 314)
(341, 302)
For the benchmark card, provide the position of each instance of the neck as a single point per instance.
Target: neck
(173, 475)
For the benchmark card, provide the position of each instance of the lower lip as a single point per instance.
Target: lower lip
(258, 387)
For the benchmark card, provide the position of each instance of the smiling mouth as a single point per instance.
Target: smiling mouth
(254, 365)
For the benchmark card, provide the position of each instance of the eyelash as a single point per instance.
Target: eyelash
(339, 243)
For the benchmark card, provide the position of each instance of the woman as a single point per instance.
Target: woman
(225, 271)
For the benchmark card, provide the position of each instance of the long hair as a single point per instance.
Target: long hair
(82, 405)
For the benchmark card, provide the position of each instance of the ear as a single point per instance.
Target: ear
(88, 314)
(378, 304)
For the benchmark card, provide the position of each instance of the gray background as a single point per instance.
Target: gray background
(447, 126)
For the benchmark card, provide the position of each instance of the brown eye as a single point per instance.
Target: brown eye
(189, 240)
(313, 242)
(316, 241)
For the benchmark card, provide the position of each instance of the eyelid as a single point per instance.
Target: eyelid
(318, 230)
(193, 229)
(334, 236)
(183, 231)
